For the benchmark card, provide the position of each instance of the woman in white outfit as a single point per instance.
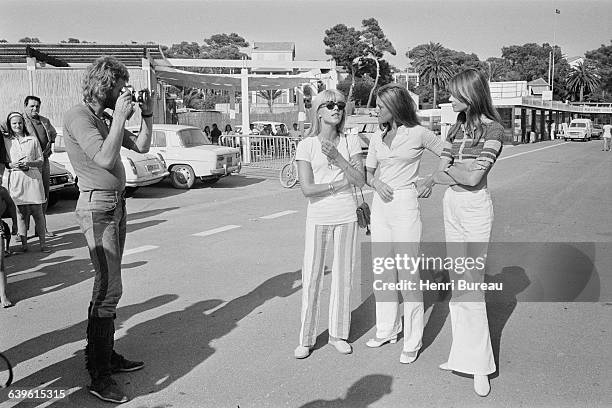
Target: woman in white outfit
(392, 168)
(329, 166)
(472, 147)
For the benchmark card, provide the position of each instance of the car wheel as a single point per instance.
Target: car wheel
(129, 191)
(182, 176)
(52, 200)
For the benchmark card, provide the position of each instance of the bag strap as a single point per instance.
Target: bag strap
(354, 188)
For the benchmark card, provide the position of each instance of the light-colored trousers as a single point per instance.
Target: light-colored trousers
(344, 239)
(396, 229)
(468, 217)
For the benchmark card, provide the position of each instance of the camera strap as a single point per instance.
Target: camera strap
(354, 188)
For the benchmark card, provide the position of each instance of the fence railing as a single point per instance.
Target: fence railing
(270, 152)
(535, 101)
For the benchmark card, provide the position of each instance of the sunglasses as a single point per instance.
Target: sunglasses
(330, 105)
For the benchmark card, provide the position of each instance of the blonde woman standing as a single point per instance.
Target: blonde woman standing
(472, 147)
(329, 165)
(392, 165)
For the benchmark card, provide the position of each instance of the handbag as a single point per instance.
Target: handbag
(363, 209)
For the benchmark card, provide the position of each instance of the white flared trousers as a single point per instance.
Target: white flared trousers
(468, 217)
(396, 229)
(318, 237)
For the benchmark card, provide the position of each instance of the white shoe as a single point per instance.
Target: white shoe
(301, 352)
(376, 342)
(342, 346)
(408, 357)
(481, 385)
(444, 366)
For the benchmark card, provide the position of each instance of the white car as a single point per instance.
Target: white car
(141, 169)
(579, 129)
(189, 154)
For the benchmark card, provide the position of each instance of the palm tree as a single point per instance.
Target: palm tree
(433, 64)
(583, 76)
(270, 95)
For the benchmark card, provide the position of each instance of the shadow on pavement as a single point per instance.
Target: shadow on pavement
(70, 372)
(361, 394)
(172, 345)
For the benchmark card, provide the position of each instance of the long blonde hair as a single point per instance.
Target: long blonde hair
(318, 102)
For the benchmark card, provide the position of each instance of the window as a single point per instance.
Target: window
(193, 137)
(159, 139)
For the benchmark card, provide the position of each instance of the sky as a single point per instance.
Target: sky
(482, 27)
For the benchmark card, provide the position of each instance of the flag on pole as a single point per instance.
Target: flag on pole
(557, 11)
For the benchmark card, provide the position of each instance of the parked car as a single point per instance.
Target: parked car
(597, 131)
(579, 129)
(141, 169)
(189, 154)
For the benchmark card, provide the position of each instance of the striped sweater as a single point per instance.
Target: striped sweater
(487, 149)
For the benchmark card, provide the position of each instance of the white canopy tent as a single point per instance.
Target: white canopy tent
(231, 82)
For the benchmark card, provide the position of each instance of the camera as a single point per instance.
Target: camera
(137, 97)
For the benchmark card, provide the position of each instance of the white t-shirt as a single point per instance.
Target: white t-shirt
(399, 164)
(607, 131)
(338, 208)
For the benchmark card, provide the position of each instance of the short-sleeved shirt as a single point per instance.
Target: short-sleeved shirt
(607, 131)
(399, 164)
(462, 147)
(337, 208)
(84, 134)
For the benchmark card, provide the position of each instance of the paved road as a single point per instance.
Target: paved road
(212, 297)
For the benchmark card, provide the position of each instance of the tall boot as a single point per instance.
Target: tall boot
(99, 351)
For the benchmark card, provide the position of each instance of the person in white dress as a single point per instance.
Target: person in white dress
(23, 178)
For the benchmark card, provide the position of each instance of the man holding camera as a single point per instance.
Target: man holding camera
(44, 131)
(93, 141)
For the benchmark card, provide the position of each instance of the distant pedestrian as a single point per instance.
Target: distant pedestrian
(607, 137)
(228, 130)
(44, 131)
(472, 147)
(295, 132)
(329, 165)
(215, 134)
(207, 131)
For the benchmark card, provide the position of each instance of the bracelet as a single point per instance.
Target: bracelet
(150, 115)
(331, 188)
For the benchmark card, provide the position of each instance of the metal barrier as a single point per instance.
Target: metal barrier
(269, 152)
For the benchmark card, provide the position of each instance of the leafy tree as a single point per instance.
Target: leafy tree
(193, 98)
(270, 95)
(184, 50)
(583, 77)
(361, 89)
(498, 69)
(434, 64)
(72, 41)
(345, 45)
(223, 46)
(602, 56)
(377, 45)
(29, 40)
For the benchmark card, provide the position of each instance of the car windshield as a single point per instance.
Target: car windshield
(193, 137)
(581, 125)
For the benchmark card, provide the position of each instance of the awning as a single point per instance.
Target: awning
(179, 77)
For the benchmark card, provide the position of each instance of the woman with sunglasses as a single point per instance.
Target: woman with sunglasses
(24, 178)
(472, 147)
(329, 166)
(392, 166)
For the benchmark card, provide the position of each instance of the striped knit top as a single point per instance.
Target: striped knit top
(488, 148)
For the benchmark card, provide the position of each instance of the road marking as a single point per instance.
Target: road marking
(216, 230)
(277, 215)
(531, 151)
(139, 249)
